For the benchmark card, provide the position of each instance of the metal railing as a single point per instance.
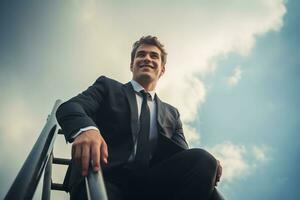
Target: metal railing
(95, 185)
(40, 160)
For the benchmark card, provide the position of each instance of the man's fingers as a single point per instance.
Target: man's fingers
(219, 171)
(88, 147)
(85, 159)
(95, 156)
(73, 151)
(76, 150)
(104, 152)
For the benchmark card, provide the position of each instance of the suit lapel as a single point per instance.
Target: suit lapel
(166, 146)
(160, 112)
(130, 94)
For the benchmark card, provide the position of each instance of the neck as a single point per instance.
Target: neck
(147, 85)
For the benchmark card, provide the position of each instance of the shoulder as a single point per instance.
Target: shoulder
(108, 81)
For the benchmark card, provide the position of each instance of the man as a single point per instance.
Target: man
(135, 138)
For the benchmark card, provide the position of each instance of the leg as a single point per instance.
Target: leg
(186, 175)
(216, 195)
(78, 192)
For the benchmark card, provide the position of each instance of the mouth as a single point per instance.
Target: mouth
(146, 66)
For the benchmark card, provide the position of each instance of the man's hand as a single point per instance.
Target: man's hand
(89, 145)
(219, 172)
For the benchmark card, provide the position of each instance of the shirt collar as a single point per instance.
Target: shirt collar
(137, 88)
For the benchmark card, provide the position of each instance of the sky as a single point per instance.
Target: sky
(231, 71)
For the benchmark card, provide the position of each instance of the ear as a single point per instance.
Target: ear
(163, 69)
(131, 67)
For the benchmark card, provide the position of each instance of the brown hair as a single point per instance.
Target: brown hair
(151, 40)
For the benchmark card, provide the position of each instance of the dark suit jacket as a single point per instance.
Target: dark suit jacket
(111, 106)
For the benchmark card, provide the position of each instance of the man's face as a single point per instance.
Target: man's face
(147, 65)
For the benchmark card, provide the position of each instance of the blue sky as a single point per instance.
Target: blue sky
(262, 109)
(232, 72)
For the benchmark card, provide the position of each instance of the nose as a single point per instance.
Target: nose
(147, 57)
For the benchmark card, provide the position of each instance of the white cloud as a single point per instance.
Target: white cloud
(238, 161)
(260, 153)
(19, 120)
(191, 135)
(235, 76)
(186, 92)
(232, 158)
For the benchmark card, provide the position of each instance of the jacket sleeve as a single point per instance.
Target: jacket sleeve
(77, 112)
(178, 135)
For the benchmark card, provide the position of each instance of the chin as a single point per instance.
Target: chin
(145, 77)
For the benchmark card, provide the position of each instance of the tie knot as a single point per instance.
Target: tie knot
(145, 94)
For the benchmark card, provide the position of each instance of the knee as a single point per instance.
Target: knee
(203, 159)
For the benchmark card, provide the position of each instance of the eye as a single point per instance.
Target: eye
(155, 55)
(140, 54)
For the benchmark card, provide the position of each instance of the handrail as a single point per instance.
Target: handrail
(28, 177)
(40, 159)
(95, 186)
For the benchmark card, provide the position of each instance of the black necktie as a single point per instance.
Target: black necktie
(142, 156)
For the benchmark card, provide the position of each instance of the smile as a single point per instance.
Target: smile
(149, 66)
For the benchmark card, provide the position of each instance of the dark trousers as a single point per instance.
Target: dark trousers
(189, 175)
